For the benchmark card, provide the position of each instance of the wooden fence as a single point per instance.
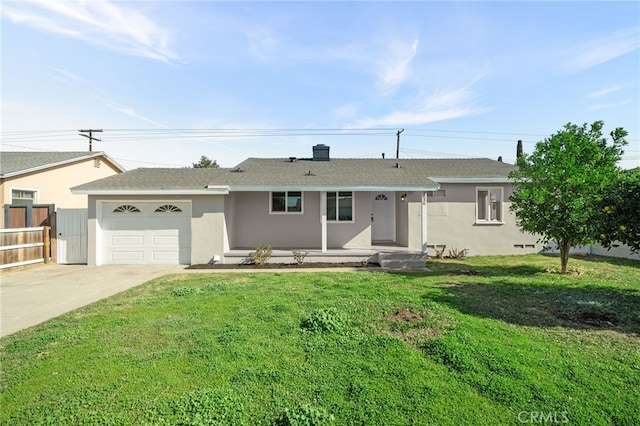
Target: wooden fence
(24, 246)
(28, 216)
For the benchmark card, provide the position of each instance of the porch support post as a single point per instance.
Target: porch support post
(323, 219)
(423, 223)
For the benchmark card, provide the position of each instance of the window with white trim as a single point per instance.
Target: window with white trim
(23, 197)
(168, 208)
(489, 205)
(340, 206)
(286, 202)
(126, 208)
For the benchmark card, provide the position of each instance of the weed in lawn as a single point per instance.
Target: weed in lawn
(328, 320)
(304, 415)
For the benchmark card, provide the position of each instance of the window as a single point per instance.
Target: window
(286, 202)
(22, 197)
(168, 208)
(126, 208)
(381, 197)
(489, 205)
(340, 206)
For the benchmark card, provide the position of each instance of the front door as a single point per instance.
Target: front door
(383, 216)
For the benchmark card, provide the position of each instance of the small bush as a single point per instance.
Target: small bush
(325, 321)
(304, 415)
(299, 255)
(184, 291)
(457, 253)
(261, 255)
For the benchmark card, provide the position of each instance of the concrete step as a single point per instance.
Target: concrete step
(397, 260)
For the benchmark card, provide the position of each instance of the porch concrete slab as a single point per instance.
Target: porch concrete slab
(36, 294)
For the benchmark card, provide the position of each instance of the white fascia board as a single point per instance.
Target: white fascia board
(61, 163)
(470, 180)
(214, 191)
(356, 188)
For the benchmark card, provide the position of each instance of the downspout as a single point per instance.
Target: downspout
(323, 219)
(423, 223)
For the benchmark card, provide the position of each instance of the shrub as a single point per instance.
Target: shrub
(304, 415)
(261, 255)
(457, 253)
(299, 255)
(325, 320)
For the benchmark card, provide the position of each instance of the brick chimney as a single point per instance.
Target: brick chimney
(320, 152)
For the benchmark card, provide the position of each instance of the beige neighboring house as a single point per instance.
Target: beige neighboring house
(321, 204)
(28, 178)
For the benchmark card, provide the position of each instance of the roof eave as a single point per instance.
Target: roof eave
(206, 191)
(471, 180)
(62, 163)
(361, 188)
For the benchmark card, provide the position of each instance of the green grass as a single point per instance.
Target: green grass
(485, 341)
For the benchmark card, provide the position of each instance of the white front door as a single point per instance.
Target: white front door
(71, 226)
(383, 216)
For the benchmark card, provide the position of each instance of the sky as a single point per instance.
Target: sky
(170, 81)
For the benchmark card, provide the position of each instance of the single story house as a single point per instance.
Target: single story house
(194, 216)
(32, 178)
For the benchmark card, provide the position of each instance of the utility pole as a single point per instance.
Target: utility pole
(90, 136)
(398, 144)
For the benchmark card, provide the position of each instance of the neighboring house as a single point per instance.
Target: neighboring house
(28, 178)
(193, 216)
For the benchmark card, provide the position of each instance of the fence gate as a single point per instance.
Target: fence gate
(72, 235)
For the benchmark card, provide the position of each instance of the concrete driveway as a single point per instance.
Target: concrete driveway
(36, 294)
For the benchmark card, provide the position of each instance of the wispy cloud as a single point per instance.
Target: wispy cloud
(388, 61)
(443, 105)
(611, 105)
(604, 91)
(604, 49)
(393, 65)
(65, 75)
(131, 112)
(98, 22)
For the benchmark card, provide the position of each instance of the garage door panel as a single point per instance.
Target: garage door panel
(127, 240)
(165, 240)
(159, 256)
(127, 256)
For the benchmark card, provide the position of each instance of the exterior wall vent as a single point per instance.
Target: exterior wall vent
(320, 152)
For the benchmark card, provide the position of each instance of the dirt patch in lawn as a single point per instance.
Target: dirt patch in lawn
(363, 265)
(404, 315)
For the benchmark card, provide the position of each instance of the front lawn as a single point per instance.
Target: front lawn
(485, 341)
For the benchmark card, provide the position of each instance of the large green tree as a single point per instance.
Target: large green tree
(558, 186)
(205, 163)
(619, 219)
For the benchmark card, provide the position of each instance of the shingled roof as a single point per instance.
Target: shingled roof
(255, 174)
(14, 163)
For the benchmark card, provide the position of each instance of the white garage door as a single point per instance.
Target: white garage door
(146, 232)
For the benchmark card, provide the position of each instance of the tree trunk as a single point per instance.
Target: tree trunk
(564, 255)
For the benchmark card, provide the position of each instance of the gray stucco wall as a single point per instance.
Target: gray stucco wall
(451, 221)
(253, 225)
